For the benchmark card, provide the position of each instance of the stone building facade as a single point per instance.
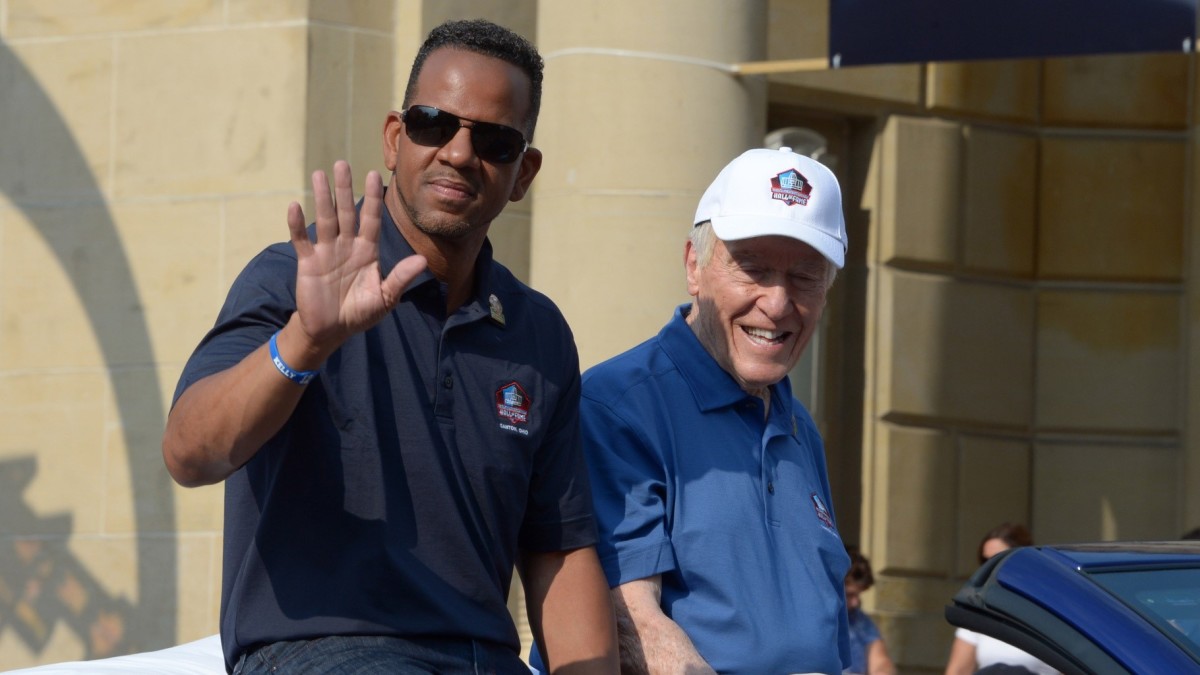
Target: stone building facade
(1012, 339)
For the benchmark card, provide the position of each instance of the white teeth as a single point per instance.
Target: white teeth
(766, 334)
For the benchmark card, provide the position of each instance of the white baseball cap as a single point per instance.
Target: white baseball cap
(765, 192)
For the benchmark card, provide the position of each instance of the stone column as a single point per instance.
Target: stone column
(639, 114)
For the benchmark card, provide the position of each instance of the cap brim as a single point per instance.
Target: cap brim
(732, 228)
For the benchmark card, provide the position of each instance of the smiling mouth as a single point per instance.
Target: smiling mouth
(453, 189)
(766, 337)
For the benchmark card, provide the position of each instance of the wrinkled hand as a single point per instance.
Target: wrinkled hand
(340, 289)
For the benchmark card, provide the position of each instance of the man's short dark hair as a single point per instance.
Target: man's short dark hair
(486, 38)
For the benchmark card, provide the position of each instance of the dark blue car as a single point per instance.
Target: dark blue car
(1118, 607)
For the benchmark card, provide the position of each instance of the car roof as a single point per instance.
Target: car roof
(1047, 600)
(1095, 556)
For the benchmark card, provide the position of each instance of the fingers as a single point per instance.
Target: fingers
(336, 214)
(399, 278)
(297, 226)
(326, 217)
(343, 192)
(372, 208)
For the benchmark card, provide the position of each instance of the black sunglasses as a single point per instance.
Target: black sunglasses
(495, 143)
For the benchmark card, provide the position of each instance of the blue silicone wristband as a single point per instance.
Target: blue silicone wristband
(298, 376)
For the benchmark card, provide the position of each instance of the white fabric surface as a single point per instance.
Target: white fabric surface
(202, 657)
(990, 651)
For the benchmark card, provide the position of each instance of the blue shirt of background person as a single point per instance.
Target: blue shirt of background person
(868, 654)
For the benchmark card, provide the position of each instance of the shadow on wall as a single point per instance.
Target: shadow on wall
(41, 582)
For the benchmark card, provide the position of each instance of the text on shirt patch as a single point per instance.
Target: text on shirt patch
(822, 512)
(512, 405)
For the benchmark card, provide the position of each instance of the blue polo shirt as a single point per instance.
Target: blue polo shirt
(863, 633)
(427, 451)
(693, 480)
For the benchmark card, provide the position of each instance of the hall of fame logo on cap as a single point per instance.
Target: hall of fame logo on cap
(512, 405)
(791, 187)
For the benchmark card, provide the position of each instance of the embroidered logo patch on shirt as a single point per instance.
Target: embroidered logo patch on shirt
(512, 405)
(791, 187)
(822, 512)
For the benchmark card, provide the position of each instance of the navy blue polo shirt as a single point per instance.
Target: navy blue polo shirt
(427, 451)
(693, 480)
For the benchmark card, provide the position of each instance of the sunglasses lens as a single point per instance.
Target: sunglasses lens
(429, 126)
(495, 143)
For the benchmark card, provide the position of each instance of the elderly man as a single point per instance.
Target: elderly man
(717, 533)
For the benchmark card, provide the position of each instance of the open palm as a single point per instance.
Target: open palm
(340, 289)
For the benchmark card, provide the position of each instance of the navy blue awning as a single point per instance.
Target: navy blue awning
(865, 32)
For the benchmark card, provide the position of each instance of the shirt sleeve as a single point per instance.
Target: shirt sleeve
(258, 304)
(869, 630)
(631, 493)
(559, 513)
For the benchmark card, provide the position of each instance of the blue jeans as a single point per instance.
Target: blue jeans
(372, 654)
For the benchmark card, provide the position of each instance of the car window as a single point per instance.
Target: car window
(1167, 598)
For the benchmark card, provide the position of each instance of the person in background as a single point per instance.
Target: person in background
(1001, 538)
(973, 651)
(868, 654)
(395, 417)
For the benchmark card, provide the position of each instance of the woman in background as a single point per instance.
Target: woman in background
(974, 651)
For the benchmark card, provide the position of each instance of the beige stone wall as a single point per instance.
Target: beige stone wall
(1027, 321)
(147, 151)
(639, 116)
(1031, 293)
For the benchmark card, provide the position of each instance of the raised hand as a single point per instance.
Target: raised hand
(340, 289)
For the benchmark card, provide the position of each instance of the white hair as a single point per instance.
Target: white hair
(703, 240)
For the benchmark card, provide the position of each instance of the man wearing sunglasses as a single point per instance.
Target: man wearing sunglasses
(717, 532)
(394, 415)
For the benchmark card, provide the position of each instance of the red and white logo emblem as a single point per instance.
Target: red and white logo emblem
(791, 187)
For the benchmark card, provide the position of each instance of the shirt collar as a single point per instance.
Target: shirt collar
(710, 385)
(393, 248)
